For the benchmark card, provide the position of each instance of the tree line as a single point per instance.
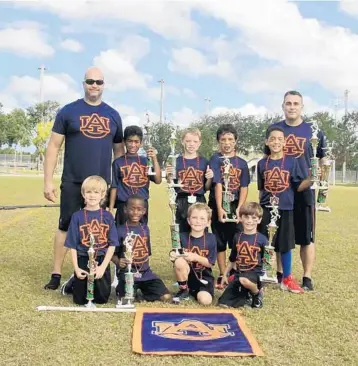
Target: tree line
(32, 126)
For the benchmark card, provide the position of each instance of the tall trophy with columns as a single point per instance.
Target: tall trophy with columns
(324, 180)
(269, 275)
(227, 195)
(314, 140)
(148, 132)
(92, 265)
(127, 301)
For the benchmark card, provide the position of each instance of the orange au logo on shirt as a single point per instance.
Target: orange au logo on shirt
(191, 330)
(246, 256)
(201, 252)
(134, 175)
(94, 126)
(276, 180)
(140, 250)
(234, 178)
(99, 231)
(191, 178)
(295, 146)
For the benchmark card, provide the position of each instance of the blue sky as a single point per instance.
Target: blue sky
(243, 55)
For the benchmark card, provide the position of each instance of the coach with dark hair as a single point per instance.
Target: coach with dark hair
(90, 129)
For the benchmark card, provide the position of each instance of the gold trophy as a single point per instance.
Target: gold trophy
(314, 160)
(92, 265)
(269, 275)
(148, 131)
(324, 181)
(128, 299)
(228, 196)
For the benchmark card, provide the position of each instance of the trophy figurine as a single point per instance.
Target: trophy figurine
(314, 160)
(269, 276)
(128, 299)
(173, 161)
(92, 264)
(177, 250)
(148, 131)
(228, 197)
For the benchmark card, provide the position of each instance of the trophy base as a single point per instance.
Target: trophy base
(323, 208)
(90, 304)
(267, 279)
(129, 305)
(175, 185)
(229, 220)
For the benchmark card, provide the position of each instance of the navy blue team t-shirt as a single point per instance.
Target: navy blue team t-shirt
(191, 173)
(130, 176)
(248, 251)
(239, 175)
(204, 246)
(90, 132)
(280, 178)
(100, 223)
(141, 250)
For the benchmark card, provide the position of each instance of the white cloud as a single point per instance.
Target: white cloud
(349, 6)
(248, 109)
(188, 60)
(26, 89)
(183, 117)
(189, 93)
(72, 45)
(25, 39)
(169, 19)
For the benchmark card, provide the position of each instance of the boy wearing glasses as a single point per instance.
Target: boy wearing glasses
(91, 129)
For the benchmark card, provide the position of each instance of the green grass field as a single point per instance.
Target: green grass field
(319, 328)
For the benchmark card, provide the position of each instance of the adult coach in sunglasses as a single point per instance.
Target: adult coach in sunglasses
(91, 129)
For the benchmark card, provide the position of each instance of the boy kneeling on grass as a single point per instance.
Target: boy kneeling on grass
(100, 223)
(193, 269)
(246, 259)
(151, 286)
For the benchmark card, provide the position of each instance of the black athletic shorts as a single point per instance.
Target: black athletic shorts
(304, 220)
(182, 211)
(152, 290)
(71, 200)
(195, 286)
(284, 239)
(224, 232)
(121, 216)
(235, 293)
(102, 287)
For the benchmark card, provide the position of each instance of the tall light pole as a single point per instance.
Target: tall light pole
(207, 105)
(161, 81)
(42, 74)
(346, 92)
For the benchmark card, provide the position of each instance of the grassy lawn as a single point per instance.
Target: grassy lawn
(318, 328)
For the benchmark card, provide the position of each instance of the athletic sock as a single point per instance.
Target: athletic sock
(286, 260)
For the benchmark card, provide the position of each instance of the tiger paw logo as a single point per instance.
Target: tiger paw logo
(276, 180)
(294, 146)
(134, 175)
(94, 126)
(247, 256)
(191, 330)
(140, 250)
(201, 252)
(234, 178)
(192, 179)
(99, 231)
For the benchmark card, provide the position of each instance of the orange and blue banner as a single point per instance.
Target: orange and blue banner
(192, 332)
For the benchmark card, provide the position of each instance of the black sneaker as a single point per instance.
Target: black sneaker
(257, 300)
(248, 300)
(181, 295)
(67, 286)
(279, 277)
(54, 282)
(307, 284)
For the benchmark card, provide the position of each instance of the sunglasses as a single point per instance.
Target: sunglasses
(91, 82)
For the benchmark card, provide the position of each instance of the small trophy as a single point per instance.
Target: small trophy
(269, 276)
(128, 299)
(173, 160)
(92, 264)
(324, 181)
(228, 196)
(177, 250)
(148, 131)
(314, 160)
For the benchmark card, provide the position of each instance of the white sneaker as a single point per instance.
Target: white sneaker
(66, 287)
